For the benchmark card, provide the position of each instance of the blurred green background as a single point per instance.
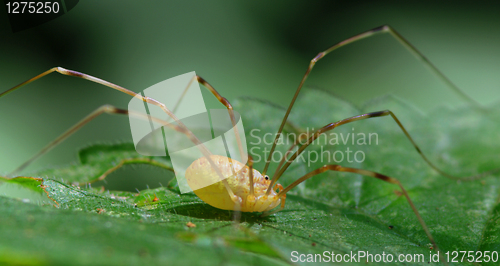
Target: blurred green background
(243, 48)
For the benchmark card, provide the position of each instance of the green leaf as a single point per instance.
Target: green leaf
(332, 212)
(33, 235)
(98, 161)
(27, 189)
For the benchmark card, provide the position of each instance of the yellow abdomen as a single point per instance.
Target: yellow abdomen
(217, 195)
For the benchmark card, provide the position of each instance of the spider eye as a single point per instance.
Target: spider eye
(266, 177)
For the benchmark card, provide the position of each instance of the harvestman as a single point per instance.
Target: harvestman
(250, 190)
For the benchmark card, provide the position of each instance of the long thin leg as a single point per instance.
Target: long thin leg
(116, 87)
(250, 175)
(182, 128)
(99, 111)
(370, 174)
(229, 107)
(146, 99)
(381, 29)
(183, 94)
(221, 99)
(251, 194)
(73, 73)
(331, 126)
(108, 109)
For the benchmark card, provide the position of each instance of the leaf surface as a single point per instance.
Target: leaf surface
(332, 212)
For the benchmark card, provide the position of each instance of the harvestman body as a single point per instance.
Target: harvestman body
(250, 190)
